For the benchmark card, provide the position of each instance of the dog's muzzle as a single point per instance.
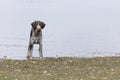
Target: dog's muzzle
(38, 28)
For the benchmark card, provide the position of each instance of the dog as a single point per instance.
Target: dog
(35, 38)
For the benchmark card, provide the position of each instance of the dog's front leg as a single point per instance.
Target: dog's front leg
(40, 51)
(30, 49)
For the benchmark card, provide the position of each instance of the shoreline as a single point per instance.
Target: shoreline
(72, 57)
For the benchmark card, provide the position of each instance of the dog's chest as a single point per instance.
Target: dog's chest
(36, 38)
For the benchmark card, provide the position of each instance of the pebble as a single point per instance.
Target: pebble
(45, 72)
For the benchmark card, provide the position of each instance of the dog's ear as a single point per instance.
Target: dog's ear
(33, 24)
(42, 24)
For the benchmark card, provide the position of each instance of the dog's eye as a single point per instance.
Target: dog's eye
(42, 25)
(34, 28)
(34, 25)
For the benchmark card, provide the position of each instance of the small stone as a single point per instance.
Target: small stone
(70, 61)
(33, 62)
(49, 74)
(18, 70)
(45, 72)
(5, 77)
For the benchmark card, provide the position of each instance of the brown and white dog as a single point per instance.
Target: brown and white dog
(35, 38)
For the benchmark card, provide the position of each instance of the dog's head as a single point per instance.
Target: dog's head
(38, 25)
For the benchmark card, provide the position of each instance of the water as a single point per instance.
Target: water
(53, 46)
(79, 29)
